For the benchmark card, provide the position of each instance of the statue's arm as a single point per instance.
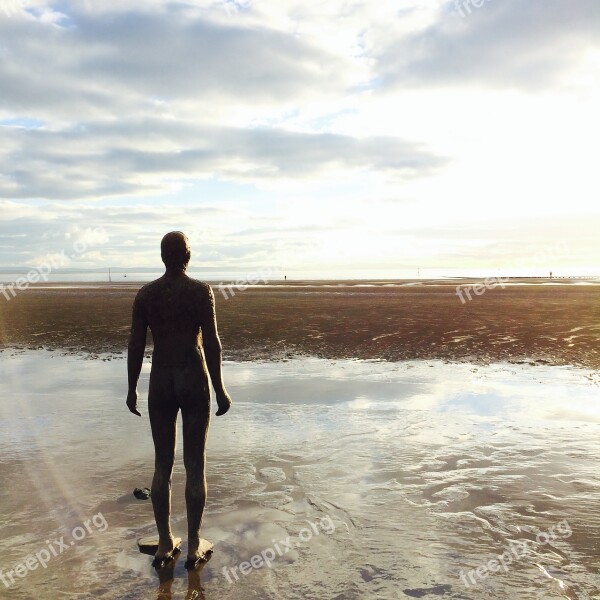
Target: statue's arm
(135, 353)
(213, 352)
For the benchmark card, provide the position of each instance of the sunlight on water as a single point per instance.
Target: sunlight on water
(391, 480)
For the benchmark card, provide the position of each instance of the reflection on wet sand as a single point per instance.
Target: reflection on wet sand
(426, 471)
(166, 577)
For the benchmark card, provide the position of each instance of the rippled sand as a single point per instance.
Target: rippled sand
(424, 470)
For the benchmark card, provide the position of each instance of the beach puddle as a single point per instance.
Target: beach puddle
(327, 480)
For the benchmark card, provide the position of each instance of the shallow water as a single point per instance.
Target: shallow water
(391, 479)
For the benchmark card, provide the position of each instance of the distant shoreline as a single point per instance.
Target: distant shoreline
(444, 282)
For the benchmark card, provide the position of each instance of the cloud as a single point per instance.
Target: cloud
(130, 234)
(241, 240)
(130, 99)
(502, 44)
(104, 159)
(156, 57)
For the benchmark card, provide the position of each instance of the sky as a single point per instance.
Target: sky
(335, 138)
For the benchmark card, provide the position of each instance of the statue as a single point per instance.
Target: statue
(180, 312)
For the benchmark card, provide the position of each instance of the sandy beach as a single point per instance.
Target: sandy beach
(386, 441)
(533, 321)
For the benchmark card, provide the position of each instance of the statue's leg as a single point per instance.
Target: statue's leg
(163, 409)
(194, 399)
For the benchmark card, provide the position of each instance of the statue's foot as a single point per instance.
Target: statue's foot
(199, 552)
(168, 550)
(160, 562)
(166, 547)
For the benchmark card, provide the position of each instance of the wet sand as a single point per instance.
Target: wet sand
(425, 470)
(534, 321)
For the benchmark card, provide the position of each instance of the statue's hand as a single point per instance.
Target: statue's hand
(224, 402)
(132, 398)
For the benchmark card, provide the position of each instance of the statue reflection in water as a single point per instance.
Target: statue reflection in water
(166, 576)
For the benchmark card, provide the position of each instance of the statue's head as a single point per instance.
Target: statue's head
(175, 251)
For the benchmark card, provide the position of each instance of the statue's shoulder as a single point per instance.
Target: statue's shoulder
(203, 294)
(200, 286)
(147, 291)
